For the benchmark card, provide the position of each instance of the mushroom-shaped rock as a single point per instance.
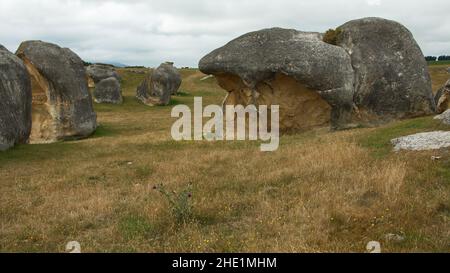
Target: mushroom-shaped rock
(310, 80)
(391, 74)
(61, 104)
(108, 91)
(442, 98)
(157, 87)
(15, 100)
(99, 72)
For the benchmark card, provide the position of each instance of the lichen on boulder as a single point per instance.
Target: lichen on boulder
(61, 103)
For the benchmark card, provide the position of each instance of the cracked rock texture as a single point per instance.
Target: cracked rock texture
(423, 141)
(61, 104)
(158, 87)
(108, 91)
(15, 100)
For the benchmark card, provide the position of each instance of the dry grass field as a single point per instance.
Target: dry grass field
(321, 191)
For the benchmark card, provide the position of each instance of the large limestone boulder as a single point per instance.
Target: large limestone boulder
(392, 79)
(108, 91)
(61, 106)
(15, 100)
(99, 72)
(157, 87)
(311, 80)
(442, 98)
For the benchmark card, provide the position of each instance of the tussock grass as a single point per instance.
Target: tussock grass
(320, 192)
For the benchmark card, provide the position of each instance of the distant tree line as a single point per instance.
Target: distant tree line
(435, 58)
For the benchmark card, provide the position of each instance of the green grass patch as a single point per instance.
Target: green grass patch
(439, 63)
(135, 226)
(379, 140)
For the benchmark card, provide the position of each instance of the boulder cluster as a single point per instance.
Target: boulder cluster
(44, 95)
(371, 71)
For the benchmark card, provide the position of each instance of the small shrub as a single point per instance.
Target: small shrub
(331, 36)
(180, 203)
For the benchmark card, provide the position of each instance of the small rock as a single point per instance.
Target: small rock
(394, 237)
(206, 77)
(423, 141)
(444, 117)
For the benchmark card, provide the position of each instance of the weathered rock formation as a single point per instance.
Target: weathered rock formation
(442, 98)
(423, 141)
(391, 74)
(444, 117)
(157, 87)
(99, 72)
(311, 80)
(108, 91)
(61, 105)
(15, 100)
(374, 74)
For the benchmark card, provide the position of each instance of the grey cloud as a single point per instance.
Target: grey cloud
(142, 32)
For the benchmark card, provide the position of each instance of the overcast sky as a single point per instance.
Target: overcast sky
(148, 32)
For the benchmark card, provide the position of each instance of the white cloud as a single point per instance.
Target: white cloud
(142, 32)
(373, 2)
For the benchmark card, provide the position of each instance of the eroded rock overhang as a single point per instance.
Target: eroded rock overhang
(311, 80)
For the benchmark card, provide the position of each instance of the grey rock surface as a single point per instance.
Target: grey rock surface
(108, 91)
(62, 105)
(15, 100)
(391, 74)
(444, 117)
(442, 98)
(158, 86)
(99, 72)
(423, 141)
(258, 56)
(166, 78)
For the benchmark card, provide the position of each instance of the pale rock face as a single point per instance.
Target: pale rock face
(423, 141)
(61, 104)
(15, 101)
(158, 86)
